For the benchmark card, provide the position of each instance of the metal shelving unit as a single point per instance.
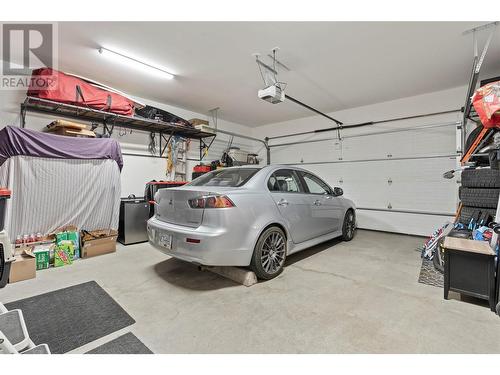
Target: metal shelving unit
(111, 120)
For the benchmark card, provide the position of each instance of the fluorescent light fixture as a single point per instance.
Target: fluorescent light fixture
(134, 63)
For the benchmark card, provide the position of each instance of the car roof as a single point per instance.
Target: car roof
(265, 166)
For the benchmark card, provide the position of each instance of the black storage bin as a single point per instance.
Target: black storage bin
(4, 195)
(4, 267)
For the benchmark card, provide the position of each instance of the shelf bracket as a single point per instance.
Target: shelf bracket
(163, 148)
(204, 147)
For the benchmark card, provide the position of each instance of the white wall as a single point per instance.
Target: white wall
(416, 184)
(137, 170)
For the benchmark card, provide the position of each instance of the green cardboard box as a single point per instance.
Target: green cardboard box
(70, 234)
(75, 238)
(42, 258)
(63, 254)
(61, 236)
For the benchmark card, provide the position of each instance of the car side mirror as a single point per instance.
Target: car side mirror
(337, 192)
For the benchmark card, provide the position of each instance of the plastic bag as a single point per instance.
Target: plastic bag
(486, 101)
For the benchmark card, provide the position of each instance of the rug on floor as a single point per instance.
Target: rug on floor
(125, 344)
(68, 318)
(430, 275)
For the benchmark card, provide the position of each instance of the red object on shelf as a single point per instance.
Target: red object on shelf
(486, 101)
(5, 193)
(47, 83)
(202, 168)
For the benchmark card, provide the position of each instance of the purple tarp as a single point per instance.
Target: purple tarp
(18, 141)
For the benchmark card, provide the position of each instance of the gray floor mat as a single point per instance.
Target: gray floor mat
(125, 344)
(68, 318)
(10, 325)
(429, 275)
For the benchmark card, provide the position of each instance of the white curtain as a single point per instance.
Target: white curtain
(50, 193)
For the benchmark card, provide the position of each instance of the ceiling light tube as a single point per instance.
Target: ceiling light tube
(132, 62)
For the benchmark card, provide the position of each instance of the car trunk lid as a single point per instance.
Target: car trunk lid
(173, 207)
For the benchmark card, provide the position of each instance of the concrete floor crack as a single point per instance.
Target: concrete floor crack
(323, 273)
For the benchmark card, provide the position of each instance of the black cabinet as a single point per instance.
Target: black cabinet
(470, 269)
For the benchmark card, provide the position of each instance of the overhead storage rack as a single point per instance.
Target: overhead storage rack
(109, 120)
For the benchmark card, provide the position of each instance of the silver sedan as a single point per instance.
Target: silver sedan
(249, 216)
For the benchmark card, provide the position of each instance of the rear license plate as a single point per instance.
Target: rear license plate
(165, 240)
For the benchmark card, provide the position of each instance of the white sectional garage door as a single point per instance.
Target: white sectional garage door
(395, 178)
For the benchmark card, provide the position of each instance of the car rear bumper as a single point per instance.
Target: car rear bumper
(216, 247)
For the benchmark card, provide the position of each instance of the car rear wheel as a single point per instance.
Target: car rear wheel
(269, 254)
(349, 226)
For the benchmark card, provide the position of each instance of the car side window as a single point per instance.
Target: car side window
(315, 185)
(284, 180)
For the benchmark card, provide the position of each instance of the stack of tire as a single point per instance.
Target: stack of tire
(479, 192)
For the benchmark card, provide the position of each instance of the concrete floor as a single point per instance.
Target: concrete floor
(356, 297)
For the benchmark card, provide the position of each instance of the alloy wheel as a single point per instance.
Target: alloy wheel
(350, 225)
(273, 252)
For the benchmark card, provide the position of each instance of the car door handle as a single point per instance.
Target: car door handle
(283, 203)
(317, 202)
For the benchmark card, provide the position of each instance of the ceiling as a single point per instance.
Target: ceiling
(334, 65)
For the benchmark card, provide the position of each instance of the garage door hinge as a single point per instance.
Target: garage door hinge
(389, 181)
(389, 206)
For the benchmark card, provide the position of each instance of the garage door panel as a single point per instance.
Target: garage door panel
(435, 141)
(414, 184)
(400, 222)
(307, 152)
(360, 182)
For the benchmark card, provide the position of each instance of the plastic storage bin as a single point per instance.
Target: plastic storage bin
(4, 195)
(6, 258)
(5, 246)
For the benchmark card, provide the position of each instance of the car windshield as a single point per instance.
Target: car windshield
(233, 177)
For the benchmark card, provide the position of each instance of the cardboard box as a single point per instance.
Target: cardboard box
(104, 244)
(69, 232)
(63, 254)
(74, 237)
(197, 121)
(42, 257)
(22, 268)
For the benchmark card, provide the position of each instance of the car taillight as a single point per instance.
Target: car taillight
(212, 201)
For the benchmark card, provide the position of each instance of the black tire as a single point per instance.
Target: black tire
(263, 270)
(484, 198)
(472, 137)
(349, 226)
(481, 178)
(468, 212)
